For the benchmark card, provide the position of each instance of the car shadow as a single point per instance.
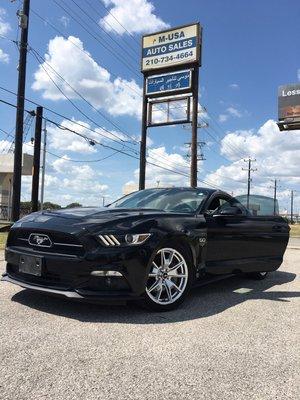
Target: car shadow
(203, 302)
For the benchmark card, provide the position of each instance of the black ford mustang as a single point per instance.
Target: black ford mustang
(151, 245)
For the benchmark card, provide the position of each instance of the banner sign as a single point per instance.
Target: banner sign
(170, 48)
(171, 82)
(289, 101)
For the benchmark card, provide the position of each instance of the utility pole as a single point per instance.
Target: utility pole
(275, 194)
(143, 145)
(200, 145)
(36, 159)
(194, 139)
(17, 176)
(43, 164)
(249, 169)
(292, 206)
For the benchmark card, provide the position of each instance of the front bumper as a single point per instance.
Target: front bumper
(71, 277)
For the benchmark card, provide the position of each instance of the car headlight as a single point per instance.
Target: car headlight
(136, 238)
(129, 239)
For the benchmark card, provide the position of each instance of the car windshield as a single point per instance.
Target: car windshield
(174, 200)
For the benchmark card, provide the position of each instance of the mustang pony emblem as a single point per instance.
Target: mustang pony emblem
(41, 240)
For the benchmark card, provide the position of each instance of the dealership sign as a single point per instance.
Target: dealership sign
(289, 102)
(170, 48)
(169, 82)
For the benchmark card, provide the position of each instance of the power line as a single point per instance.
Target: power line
(115, 18)
(103, 30)
(54, 27)
(107, 23)
(82, 97)
(102, 144)
(101, 42)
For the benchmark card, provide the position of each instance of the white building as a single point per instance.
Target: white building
(6, 177)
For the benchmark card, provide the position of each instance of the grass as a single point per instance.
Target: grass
(3, 236)
(295, 230)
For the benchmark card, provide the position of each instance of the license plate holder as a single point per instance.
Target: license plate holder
(31, 265)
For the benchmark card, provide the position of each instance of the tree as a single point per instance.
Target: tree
(51, 206)
(74, 205)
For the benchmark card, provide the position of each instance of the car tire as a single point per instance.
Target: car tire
(169, 281)
(258, 276)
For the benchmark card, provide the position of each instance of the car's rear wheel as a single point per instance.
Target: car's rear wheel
(170, 278)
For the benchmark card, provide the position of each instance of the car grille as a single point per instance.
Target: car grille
(61, 243)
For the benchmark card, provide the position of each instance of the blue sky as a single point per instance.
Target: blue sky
(249, 49)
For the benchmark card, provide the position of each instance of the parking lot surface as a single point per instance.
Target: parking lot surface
(232, 339)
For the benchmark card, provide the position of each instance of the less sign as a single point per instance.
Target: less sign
(170, 48)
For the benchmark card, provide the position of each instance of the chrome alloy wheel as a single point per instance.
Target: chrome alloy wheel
(168, 277)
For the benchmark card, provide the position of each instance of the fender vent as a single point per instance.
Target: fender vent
(109, 240)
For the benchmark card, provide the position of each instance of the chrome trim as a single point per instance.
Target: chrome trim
(110, 240)
(54, 243)
(40, 235)
(105, 242)
(67, 244)
(115, 240)
(106, 273)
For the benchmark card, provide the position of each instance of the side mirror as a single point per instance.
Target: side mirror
(228, 211)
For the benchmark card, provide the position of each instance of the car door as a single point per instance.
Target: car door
(225, 234)
(243, 242)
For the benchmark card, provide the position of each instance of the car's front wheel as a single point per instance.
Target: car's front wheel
(170, 278)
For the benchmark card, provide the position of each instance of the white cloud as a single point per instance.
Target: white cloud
(70, 183)
(134, 16)
(234, 112)
(277, 156)
(4, 57)
(65, 140)
(4, 29)
(234, 86)
(156, 176)
(223, 117)
(230, 112)
(65, 21)
(4, 26)
(117, 97)
(4, 146)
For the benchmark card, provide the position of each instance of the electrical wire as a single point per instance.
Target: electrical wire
(101, 42)
(108, 24)
(103, 30)
(96, 142)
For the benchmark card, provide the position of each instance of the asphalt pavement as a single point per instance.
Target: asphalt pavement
(232, 339)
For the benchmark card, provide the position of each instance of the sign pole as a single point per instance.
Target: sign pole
(143, 140)
(194, 140)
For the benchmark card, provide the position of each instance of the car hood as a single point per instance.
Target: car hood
(77, 219)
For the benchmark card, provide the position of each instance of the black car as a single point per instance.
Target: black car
(151, 245)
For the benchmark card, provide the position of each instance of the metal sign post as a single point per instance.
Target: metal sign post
(170, 65)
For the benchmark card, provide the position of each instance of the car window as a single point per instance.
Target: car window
(260, 205)
(220, 203)
(174, 200)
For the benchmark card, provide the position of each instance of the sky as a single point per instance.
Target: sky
(84, 63)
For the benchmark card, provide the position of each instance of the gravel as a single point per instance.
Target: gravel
(233, 339)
